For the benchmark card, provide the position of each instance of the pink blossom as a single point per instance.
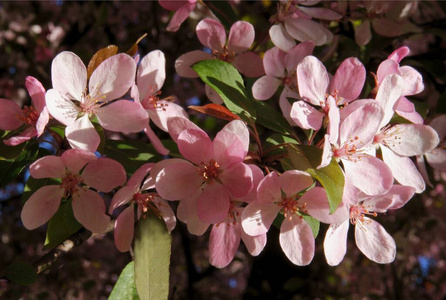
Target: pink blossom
(78, 170)
(294, 23)
(283, 194)
(33, 117)
(280, 68)
(134, 194)
(182, 10)
(216, 167)
(212, 35)
(149, 80)
(73, 105)
(371, 238)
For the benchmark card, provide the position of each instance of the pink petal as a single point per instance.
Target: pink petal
(374, 241)
(213, 204)
(178, 181)
(184, 62)
(348, 80)
(62, 109)
(124, 229)
(369, 174)
(187, 213)
(265, 87)
(139, 175)
(285, 105)
(228, 149)
(363, 34)
(439, 124)
(89, 210)
(388, 28)
(47, 167)
(317, 206)
(223, 244)
(297, 241)
(237, 179)
(76, 159)
(69, 75)
(268, 190)
(413, 117)
(389, 92)
(166, 213)
(327, 153)
(180, 16)
(238, 128)
(131, 115)
(174, 5)
(295, 55)
(303, 30)
(41, 206)
(399, 54)
(212, 95)
(211, 34)
(249, 64)
(280, 37)
(413, 81)
(334, 120)
(112, 78)
(123, 196)
(321, 13)
(273, 62)
(421, 165)
(404, 170)
(42, 121)
(258, 217)
(82, 134)
(168, 110)
(151, 73)
(412, 139)
(400, 195)
(36, 91)
(155, 141)
(176, 125)
(104, 174)
(9, 115)
(306, 116)
(294, 181)
(386, 68)
(257, 176)
(335, 243)
(24, 136)
(437, 159)
(241, 37)
(196, 146)
(312, 78)
(254, 244)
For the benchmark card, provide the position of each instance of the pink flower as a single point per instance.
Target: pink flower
(413, 83)
(73, 105)
(182, 10)
(283, 194)
(78, 170)
(149, 80)
(280, 68)
(33, 117)
(371, 238)
(216, 167)
(212, 35)
(133, 193)
(294, 23)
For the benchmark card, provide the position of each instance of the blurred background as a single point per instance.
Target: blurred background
(32, 33)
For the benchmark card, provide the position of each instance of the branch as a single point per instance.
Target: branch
(43, 263)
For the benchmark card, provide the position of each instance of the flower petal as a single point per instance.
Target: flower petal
(123, 116)
(306, 116)
(297, 241)
(295, 55)
(41, 206)
(258, 217)
(213, 203)
(312, 78)
(76, 159)
(176, 125)
(304, 30)
(413, 139)
(22, 137)
(178, 181)
(121, 197)
(9, 115)
(187, 213)
(82, 134)
(69, 75)
(196, 146)
(184, 62)
(241, 37)
(316, 203)
(36, 91)
(228, 149)
(249, 64)
(335, 243)
(89, 210)
(268, 190)
(47, 167)
(280, 37)
(294, 181)
(61, 108)
(223, 243)
(166, 213)
(274, 62)
(211, 34)
(151, 73)
(124, 229)
(168, 110)
(180, 16)
(348, 80)
(104, 174)
(265, 87)
(155, 141)
(390, 90)
(237, 179)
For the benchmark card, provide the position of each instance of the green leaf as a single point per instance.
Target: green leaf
(61, 226)
(228, 83)
(152, 258)
(313, 223)
(271, 118)
(223, 11)
(21, 273)
(125, 287)
(10, 152)
(331, 177)
(131, 154)
(11, 168)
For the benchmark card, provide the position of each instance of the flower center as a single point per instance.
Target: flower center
(291, 81)
(152, 102)
(358, 212)
(209, 171)
(388, 136)
(224, 55)
(349, 150)
(291, 206)
(70, 184)
(145, 203)
(30, 115)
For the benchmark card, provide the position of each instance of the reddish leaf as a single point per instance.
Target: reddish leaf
(134, 49)
(217, 111)
(99, 57)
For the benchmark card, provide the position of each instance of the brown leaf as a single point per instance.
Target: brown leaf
(99, 57)
(217, 111)
(134, 49)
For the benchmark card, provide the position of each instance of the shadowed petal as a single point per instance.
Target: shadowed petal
(223, 243)
(123, 116)
(178, 181)
(104, 174)
(124, 229)
(213, 204)
(89, 210)
(82, 134)
(47, 167)
(241, 36)
(9, 115)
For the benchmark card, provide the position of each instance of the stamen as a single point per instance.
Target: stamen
(145, 203)
(70, 184)
(209, 171)
(30, 115)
